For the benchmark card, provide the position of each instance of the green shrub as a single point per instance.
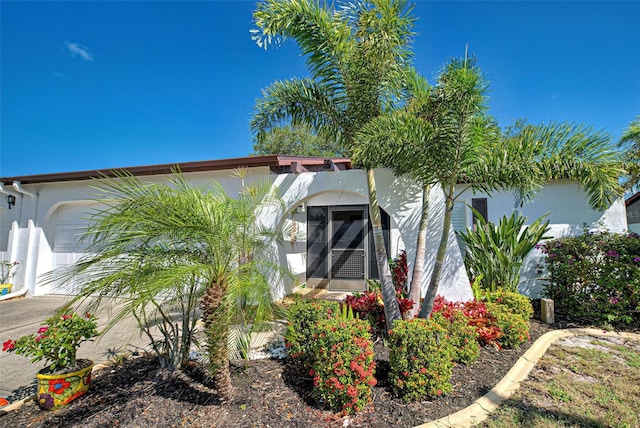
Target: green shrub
(421, 358)
(303, 316)
(496, 252)
(515, 329)
(516, 303)
(595, 277)
(463, 339)
(343, 367)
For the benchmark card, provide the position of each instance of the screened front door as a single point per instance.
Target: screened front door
(340, 250)
(347, 255)
(336, 247)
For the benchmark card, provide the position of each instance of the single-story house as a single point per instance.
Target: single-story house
(326, 240)
(633, 212)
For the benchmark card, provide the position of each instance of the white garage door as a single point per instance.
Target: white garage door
(70, 222)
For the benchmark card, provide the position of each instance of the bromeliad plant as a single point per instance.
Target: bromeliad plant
(57, 341)
(497, 251)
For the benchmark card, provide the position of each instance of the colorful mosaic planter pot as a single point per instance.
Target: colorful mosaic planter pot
(56, 390)
(5, 289)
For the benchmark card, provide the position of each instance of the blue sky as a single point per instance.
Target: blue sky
(90, 85)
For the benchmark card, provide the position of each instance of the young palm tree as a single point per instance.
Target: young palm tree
(163, 244)
(445, 136)
(357, 55)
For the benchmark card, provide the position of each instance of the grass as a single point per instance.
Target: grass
(578, 383)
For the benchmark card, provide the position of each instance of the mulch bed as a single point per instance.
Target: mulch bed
(267, 393)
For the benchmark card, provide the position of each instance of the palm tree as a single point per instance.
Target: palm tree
(171, 245)
(445, 136)
(357, 55)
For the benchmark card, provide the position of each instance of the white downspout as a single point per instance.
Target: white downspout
(20, 189)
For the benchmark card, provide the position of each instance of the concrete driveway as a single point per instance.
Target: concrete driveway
(22, 316)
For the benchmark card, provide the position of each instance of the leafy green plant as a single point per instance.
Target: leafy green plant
(515, 303)
(515, 329)
(343, 366)
(462, 336)
(595, 277)
(496, 252)
(57, 341)
(421, 358)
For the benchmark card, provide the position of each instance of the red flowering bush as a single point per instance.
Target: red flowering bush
(421, 358)
(57, 341)
(343, 367)
(303, 316)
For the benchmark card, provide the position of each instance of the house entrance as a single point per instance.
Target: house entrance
(347, 257)
(340, 254)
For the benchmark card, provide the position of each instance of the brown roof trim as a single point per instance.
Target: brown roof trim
(277, 163)
(633, 199)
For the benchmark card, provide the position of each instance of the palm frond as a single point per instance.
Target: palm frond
(303, 102)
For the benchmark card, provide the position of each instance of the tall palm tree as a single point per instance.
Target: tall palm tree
(445, 136)
(393, 140)
(161, 243)
(357, 55)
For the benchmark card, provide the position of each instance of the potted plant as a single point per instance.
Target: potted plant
(65, 378)
(7, 270)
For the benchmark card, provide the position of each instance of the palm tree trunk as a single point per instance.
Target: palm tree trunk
(217, 329)
(434, 283)
(421, 250)
(391, 308)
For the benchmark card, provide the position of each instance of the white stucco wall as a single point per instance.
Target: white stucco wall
(399, 197)
(569, 214)
(28, 231)
(59, 208)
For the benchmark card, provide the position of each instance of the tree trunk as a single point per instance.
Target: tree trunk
(217, 330)
(391, 308)
(434, 283)
(421, 249)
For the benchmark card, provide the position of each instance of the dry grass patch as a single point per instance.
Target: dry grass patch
(580, 382)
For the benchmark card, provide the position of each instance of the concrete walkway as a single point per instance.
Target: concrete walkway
(19, 317)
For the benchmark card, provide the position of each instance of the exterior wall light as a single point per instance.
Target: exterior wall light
(11, 200)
